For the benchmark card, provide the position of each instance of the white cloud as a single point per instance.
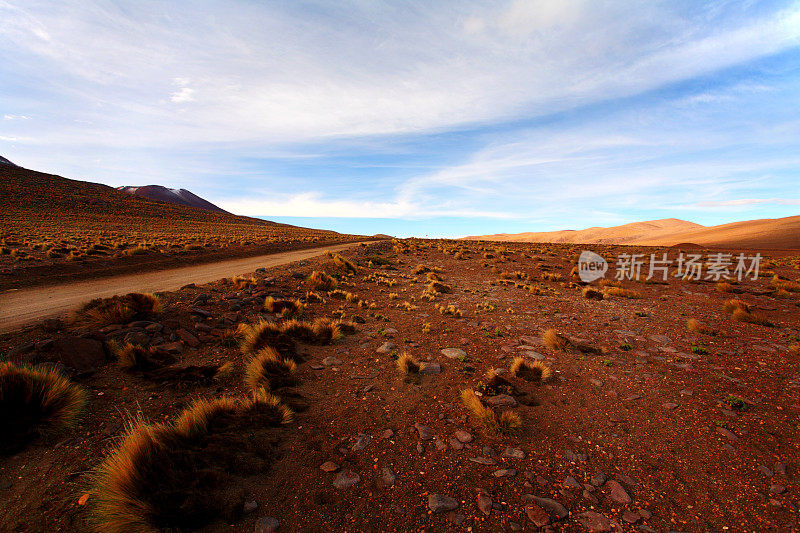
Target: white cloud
(182, 95)
(272, 73)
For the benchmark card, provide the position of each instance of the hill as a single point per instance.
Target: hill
(782, 233)
(172, 196)
(53, 225)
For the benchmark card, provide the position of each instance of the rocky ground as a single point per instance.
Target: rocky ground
(636, 431)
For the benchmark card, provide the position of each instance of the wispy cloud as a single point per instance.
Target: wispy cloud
(550, 110)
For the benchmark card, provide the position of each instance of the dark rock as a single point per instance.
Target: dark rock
(555, 509)
(388, 477)
(618, 493)
(77, 353)
(346, 479)
(267, 524)
(424, 432)
(594, 522)
(439, 503)
(484, 502)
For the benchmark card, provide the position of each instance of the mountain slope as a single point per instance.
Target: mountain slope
(173, 196)
(627, 233)
(4, 161)
(782, 233)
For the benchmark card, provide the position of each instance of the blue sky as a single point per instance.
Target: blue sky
(416, 118)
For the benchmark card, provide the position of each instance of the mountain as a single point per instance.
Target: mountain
(625, 234)
(4, 161)
(172, 196)
(781, 233)
(35, 203)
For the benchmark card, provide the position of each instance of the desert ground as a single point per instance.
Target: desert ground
(418, 385)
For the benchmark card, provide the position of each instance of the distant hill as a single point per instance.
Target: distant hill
(781, 233)
(172, 196)
(4, 161)
(35, 202)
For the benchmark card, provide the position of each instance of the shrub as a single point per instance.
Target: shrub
(622, 293)
(695, 326)
(530, 371)
(116, 310)
(321, 281)
(407, 364)
(267, 369)
(592, 294)
(553, 340)
(285, 308)
(184, 475)
(132, 357)
(35, 402)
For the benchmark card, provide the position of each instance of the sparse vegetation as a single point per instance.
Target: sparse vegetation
(116, 310)
(35, 402)
(530, 370)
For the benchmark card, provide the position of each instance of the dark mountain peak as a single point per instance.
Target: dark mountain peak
(173, 196)
(4, 161)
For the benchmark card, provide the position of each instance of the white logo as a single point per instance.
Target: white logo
(591, 266)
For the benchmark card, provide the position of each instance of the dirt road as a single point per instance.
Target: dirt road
(28, 306)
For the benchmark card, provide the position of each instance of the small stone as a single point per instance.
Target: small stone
(513, 453)
(456, 444)
(267, 524)
(587, 495)
(596, 382)
(387, 434)
(780, 468)
(483, 460)
(453, 353)
(331, 361)
(249, 507)
(594, 522)
(430, 368)
(669, 406)
(618, 493)
(425, 432)
(572, 483)
(505, 472)
(764, 470)
(361, 443)
(727, 433)
(387, 347)
(188, 338)
(388, 476)
(329, 466)
(554, 509)
(346, 479)
(686, 392)
(439, 503)
(598, 480)
(631, 517)
(538, 515)
(463, 436)
(501, 400)
(777, 489)
(484, 502)
(644, 513)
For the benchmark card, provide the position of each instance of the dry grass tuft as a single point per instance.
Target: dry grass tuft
(268, 370)
(116, 310)
(592, 294)
(695, 326)
(284, 308)
(483, 415)
(132, 357)
(741, 312)
(530, 371)
(509, 422)
(622, 293)
(35, 402)
(407, 364)
(314, 297)
(185, 475)
(730, 306)
(322, 281)
(553, 340)
(439, 287)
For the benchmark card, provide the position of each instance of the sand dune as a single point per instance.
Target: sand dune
(781, 233)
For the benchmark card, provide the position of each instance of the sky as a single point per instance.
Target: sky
(437, 119)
